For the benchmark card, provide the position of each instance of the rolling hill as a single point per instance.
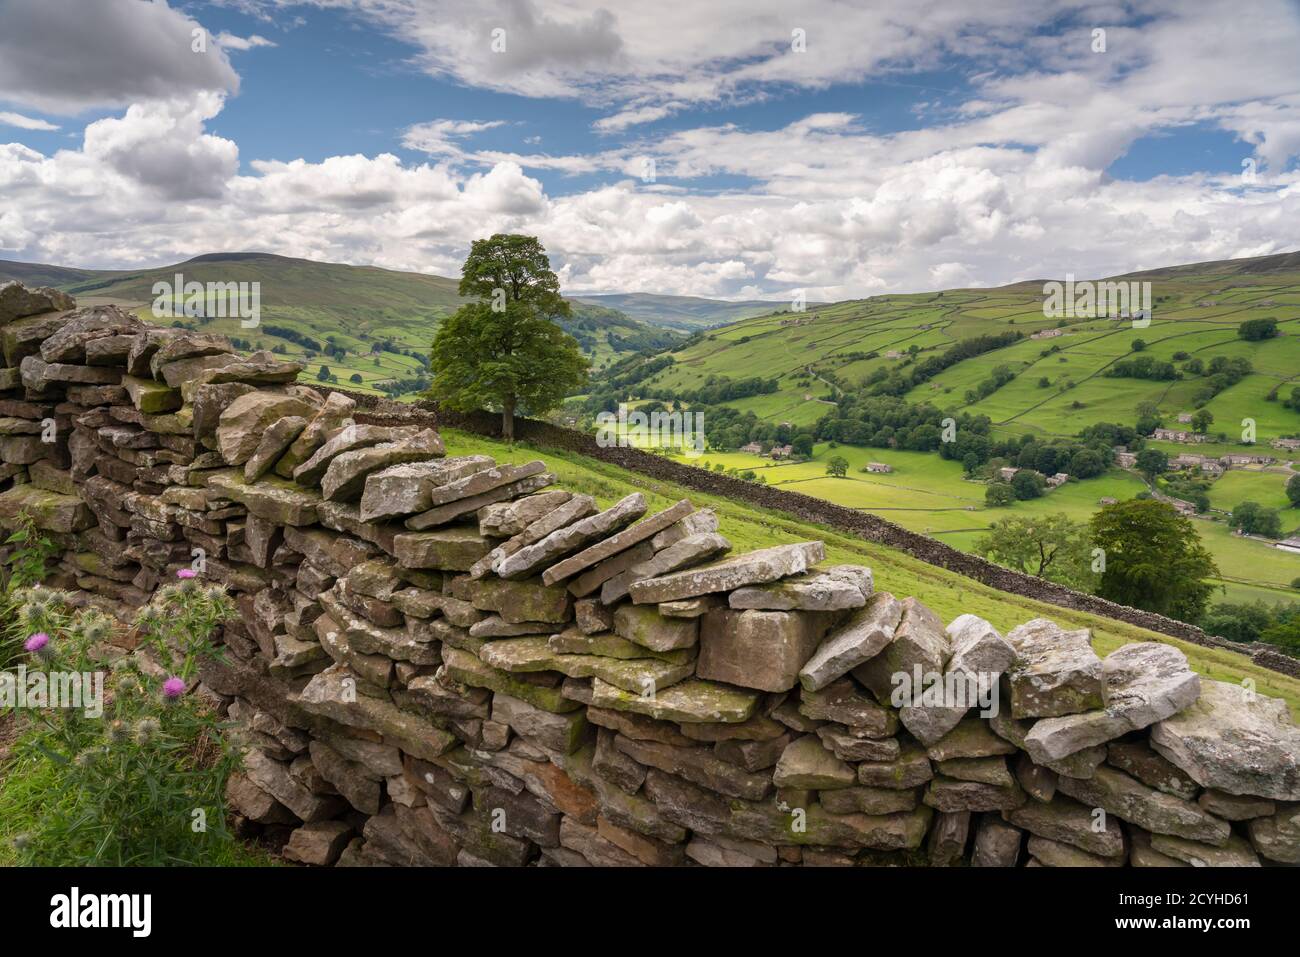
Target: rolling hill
(682, 312)
(1048, 388)
(360, 321)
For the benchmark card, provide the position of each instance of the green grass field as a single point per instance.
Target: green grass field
(948, 593)
(1060, 388)
(929, 495)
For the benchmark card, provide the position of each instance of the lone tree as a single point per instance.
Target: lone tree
(505, 350)
(1045, 546)
(1154, 559)
(837, 467)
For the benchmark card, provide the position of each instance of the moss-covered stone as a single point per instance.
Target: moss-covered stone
(691, 701)
(464, 667)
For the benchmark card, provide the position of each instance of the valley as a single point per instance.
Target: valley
(1056, 380)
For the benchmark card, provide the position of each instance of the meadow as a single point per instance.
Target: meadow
(1060, 387)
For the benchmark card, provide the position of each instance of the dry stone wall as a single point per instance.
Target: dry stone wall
(446, 660)
(850, 521)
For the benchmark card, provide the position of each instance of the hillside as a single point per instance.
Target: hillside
(378, 323)
(682, 312)
(1048, 388)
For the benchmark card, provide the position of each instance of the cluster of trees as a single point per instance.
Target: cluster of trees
(1001, 375)
(1140, 553)
(1255, 621)
(1023, 486)
(587, 322)
(1143, 367)
(396, 387)
(1251, 518)
(718, 388)
(1254, 330)
(1220, 373)
(898, 380)
(890, 422)
(728, 428)
(293, 335)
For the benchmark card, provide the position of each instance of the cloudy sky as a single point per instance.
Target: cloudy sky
(730, 148)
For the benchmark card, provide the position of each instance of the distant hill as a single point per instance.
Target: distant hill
(683, 312)
(356, 320)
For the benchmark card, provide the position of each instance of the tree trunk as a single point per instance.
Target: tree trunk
(508, 420)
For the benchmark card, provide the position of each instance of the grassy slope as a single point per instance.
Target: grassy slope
(948, 593)
(835, 339)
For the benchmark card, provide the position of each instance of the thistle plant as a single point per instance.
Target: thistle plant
(143, 782)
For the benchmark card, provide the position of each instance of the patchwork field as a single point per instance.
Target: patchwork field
(1059, 388)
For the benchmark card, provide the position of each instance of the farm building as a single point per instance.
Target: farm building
(879, 467)
(1126, 460)
(1247, 460)
(1057, 480)
(1289, 445)
(1007, 474)
(1178, 435)
(753, 448)
(782, 451)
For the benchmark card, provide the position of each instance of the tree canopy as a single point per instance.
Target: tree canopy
(1046, 546)
(504, 351)
(1154, 559)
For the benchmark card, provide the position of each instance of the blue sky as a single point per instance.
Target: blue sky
(912, 145)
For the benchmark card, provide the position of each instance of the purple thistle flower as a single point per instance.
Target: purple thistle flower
(37, 641)
(186, 573)
(173, 688)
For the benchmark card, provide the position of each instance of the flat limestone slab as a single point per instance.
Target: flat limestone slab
(807, 763)
(838, 588)
(333, 694)
(463, 507)
(693, 701)
(861, 638)
(271, 497)
(1236, 853)
(1145, 683)
(1155, 811)
(1235, 740)
(758, 649)
(575, 536)
(1066, 820)
(754, 568)
(637, 675)
(611, 546)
